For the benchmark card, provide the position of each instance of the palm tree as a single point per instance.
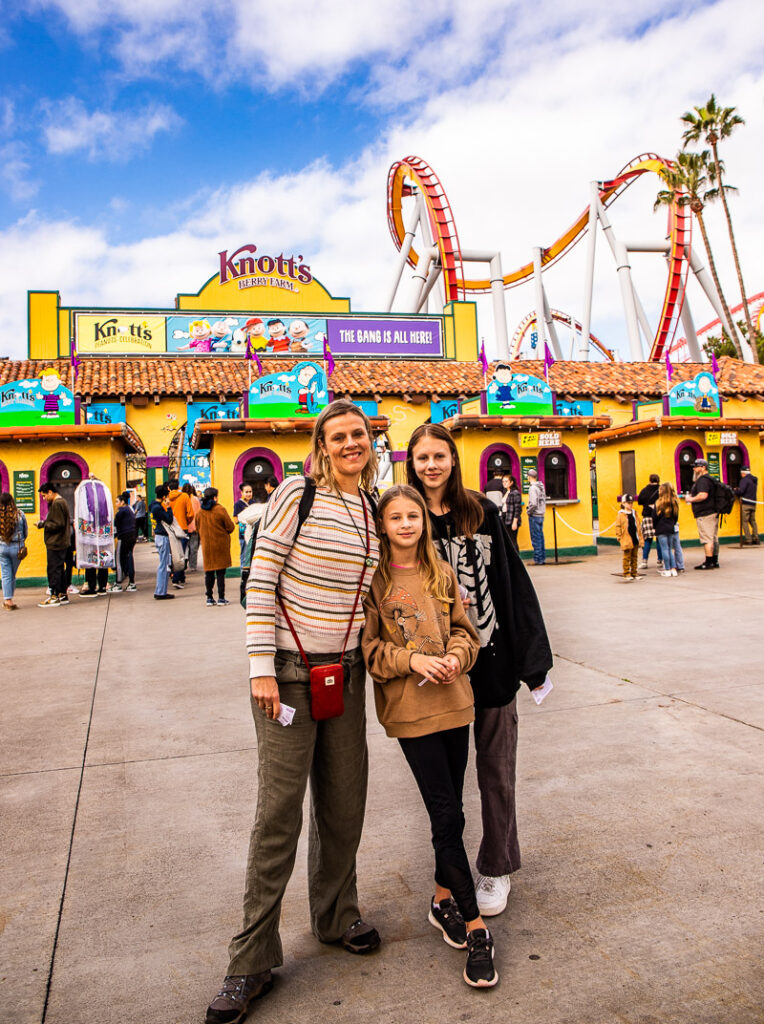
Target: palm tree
(713, 123)
(687, 182)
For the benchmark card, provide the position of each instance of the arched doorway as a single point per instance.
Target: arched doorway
(255, 466)
(65, 470)
(557, 475)
(685, 457)
(256, 469)
(734, 460)
(498, 460)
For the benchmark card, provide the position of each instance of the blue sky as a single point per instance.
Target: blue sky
(139, 137)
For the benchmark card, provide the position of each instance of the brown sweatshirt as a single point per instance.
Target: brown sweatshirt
(409, 621)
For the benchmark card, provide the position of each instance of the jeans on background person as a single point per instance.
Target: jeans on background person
(676, 546)
(666, 550)
(163, 569)
(647, 547)
(193, 550)
(242, 546)
(180, 576)
(9, 566)
(536, 525)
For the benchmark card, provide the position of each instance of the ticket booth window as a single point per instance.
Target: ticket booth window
(688, 453)
(733, 463)
(556, 475)
(65, 474)
(257, 470)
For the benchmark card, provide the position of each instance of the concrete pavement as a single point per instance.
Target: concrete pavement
(127, 790)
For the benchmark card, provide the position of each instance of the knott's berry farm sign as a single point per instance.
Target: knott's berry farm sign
(251, 271)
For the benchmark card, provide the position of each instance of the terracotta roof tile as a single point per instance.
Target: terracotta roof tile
(212, 376)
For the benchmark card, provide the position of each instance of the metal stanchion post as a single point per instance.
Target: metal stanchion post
(741, 523)
(554, 527)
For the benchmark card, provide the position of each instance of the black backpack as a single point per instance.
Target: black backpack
(724, 498)
(303, 511)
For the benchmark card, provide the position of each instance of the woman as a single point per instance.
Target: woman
(666, 520)
(505, 611)
(316, 579)
(126, 532)
(13, 534)
(193, 533)
(511, 508)
(215, 527)
(161, 513)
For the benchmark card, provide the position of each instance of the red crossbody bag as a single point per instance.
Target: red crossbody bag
(327, 681)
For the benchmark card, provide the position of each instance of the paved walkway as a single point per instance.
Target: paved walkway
(127, 781)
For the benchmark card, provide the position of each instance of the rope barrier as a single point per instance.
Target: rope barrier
(579, 532)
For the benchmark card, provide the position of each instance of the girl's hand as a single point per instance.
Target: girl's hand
(436, 670)
(265, 691)
(454, 665)
(514, 524)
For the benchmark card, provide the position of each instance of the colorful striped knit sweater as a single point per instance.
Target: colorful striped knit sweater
(317, 576)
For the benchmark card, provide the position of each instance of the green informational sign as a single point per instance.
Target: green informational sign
(527, 462)
(24, 489)
(714, 469)
(293, 468)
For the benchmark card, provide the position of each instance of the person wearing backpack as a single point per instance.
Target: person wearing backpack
(747, 494)
(702, 499)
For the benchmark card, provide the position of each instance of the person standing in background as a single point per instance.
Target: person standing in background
(141, 519)
(183, 511)
(701, 497)
(161, 513)
(747, 493)
(13, 535)
(495, 489)
(245, 499)
(126, 532)
(57, 527)
(215, 527)
(646, 500)
(511, 508)
(536, 509)
(193, 533)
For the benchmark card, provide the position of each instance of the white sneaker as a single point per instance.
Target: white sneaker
(642, 564)
(492, 894)
(674, 572)
(665, 572)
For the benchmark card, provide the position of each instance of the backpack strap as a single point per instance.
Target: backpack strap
(306, 504)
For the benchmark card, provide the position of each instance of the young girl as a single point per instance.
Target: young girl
(628, 533)
(666, 519)
(418, 645)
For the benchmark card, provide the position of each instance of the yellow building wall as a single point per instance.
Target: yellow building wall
(574, 521)
(619, 412)
(309, 298)
(655, 453)
(157, 424)
(461, 332)
(42, 313)
(105, 459)
(404, 417)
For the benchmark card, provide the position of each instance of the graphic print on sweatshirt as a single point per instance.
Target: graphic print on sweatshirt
(468, 559)
(406, 618)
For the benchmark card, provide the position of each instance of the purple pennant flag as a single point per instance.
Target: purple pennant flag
(669, 367)
(328, 358)
(483, 360)
(714, 365)
(549, 360)
(252, 354)
(74, 359)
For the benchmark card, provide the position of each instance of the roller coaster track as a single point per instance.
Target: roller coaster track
(562, 318)
(413, 173)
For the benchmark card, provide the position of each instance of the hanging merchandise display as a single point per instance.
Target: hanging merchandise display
(93, 519)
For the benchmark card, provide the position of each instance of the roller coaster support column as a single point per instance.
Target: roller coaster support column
(408, 240)
(539, 290)
(497, 294)
(432, 277)
(693, 345)
(706, 282)
(623, 268)
(552, 330)
(586, 324)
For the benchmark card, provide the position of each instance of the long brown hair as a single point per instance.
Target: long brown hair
(320, 466)
(9, 517)
(667, 500)
(434, 579)
(463, 505)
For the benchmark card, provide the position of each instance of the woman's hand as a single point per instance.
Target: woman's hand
(436, 670)
(514, 524)
(265, 691)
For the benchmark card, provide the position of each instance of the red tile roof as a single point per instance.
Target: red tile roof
(676, 423)
(73, 431)
(102, 377)
(464, 421)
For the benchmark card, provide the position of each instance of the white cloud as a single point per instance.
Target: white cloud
(515, 146)
(103, 134)
(16, 172)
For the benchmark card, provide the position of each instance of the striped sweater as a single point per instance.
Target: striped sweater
(317, 576)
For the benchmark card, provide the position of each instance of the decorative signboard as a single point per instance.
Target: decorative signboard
(698, 396)
(271, 334)
(577, 408)
(41, 400)
(717, 438)
(194, 466)
(714, 469)
(518, 394)
(543, 439)
(370, 407)
(24, 490)
(443, 410)
(105, 412)
(527, 462)
(301, 391)
(294, 468)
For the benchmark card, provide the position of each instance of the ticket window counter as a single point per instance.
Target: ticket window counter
(733, 463)
(557, 476)
(66, 475)
(257, 470)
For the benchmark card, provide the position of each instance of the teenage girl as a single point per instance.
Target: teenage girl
(419, 645)
(666, 519)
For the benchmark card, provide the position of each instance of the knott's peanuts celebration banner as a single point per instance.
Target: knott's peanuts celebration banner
(267, 333)
(301, 391)
(517, 394)
(44, 399)
(696, 397)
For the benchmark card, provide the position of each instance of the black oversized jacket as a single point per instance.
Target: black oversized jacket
(519, 648)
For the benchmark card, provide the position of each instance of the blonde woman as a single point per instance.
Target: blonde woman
(13, 535)
(313, 562)
(666, 521)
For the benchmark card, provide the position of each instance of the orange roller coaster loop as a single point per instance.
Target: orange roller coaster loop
(413, 172)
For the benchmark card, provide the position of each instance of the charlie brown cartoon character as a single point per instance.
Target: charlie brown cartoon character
(279, 339)
(254, 330)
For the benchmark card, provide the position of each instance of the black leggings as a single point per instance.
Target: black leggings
(209, 578)
(126, 561)
(96, 579)
(439, 762)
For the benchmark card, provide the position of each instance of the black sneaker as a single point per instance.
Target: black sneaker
(447, 917)
(704, 565)
(164, 597)
(360, 938)
(231, 1004)
(480, 972)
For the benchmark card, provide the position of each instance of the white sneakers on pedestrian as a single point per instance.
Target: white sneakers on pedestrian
(492, 893)
(642, 564)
